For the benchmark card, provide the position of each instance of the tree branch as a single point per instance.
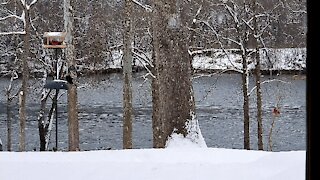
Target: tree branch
(267, 81)
(145, 6)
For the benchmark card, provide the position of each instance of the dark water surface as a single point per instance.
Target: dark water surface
(218, 108)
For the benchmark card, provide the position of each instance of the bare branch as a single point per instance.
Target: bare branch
(32, 3)
(10, 16)
(268, 81)
(144, 57)
(22, 18)
(216, 73)
(291, 9)
(145, 6)
(248, 23)
(11, 33)
(220, 43)
(144, 65)
(23, 2)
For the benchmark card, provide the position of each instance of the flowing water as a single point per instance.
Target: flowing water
(218, 109)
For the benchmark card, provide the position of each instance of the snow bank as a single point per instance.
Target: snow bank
(271, 59)
(154, 164)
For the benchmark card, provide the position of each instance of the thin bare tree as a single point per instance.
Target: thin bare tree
(73, 123)
(127, 77)
(258, 76)
(25, 75)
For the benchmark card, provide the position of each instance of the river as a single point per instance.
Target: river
(218, 109)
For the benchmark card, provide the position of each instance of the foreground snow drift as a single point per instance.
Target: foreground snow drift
(154, 164)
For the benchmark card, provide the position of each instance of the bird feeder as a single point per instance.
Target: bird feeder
(56, 84)
(54, 40)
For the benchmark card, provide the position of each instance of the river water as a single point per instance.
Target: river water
(218, 109)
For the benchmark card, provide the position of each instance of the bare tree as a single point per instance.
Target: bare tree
(25, 30)
(73, 124)
(127, 77)
(258, 76)
(244, 26)
(240, 15)
(25, 74)
(10, 98)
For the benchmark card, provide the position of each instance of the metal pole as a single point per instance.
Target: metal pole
(57, 64)
(56, 99)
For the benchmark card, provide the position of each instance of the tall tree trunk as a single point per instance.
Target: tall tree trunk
(73, 124)
(259, 101)
(127, 76)
(24, 88)
(258, 81)
(244, 33)
(157, 123)
(9, 113)
(14, 75)
(49, 125)
(246, 117)
(174, 107)
(43, 124)
(42, 121)
(9, 120)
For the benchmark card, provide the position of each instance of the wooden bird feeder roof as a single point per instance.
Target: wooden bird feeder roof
(54, 40)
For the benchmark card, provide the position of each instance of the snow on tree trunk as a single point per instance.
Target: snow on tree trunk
(41, 120)
(194, 136)
(48, 127)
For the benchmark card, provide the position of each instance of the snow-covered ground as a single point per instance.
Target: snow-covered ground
(179, 161)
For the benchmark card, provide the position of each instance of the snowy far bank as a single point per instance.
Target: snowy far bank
(286, 59)
(271, 59)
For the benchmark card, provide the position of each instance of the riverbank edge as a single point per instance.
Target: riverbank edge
(109, 71)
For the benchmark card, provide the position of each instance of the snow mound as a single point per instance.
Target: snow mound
(179, 141)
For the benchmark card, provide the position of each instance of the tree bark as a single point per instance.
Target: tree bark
(173, 104)
(259, 101)
(246, 117)
(44, 126)
(73, 124)
(127, 76)
(24, 88)
(258, 79)
(157, 124)
(9, 120)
